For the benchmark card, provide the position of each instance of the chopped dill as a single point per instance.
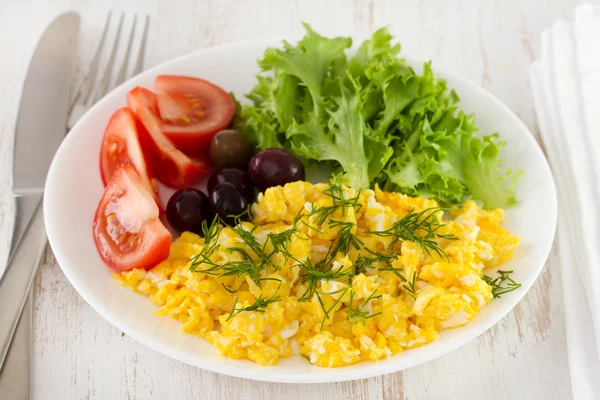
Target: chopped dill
(309, 226)
(280, 241)
(211, 245)
(497, 283)
(359, 314)
(249, 240)
(257, 261)
(408, 286)
(419, 227)
(313, 274)
(346, 239)
(362, 263)
(339, 203)
(259, 305)
(326, 311)
(241, 268)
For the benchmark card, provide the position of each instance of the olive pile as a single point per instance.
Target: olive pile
(231, 186)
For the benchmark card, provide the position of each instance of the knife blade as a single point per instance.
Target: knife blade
(41, 126)
(45, 103)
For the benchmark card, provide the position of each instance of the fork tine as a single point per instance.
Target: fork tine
(104, 83)
(123, 71)
(139, 65)
(87, 85)
(87, 90)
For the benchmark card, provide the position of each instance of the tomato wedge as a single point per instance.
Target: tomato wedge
(127, 229)
(121, 146)
(169, 165)
(192, 110)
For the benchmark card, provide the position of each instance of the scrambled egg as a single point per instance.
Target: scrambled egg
(353, 306)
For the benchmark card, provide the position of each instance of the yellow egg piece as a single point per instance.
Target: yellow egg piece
(336, 275)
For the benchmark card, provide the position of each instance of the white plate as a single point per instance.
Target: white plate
(74, 188)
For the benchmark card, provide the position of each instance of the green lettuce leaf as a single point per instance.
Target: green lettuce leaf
(309, 61)
(451, 162)
(374, 120)
(483, 175)
(261, 128)
(341, 139)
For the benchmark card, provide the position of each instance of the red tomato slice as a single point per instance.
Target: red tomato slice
(169, 165)
(192, 110)
(127, 230)
(121, 146)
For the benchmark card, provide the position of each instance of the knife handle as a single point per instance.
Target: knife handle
(18, 277)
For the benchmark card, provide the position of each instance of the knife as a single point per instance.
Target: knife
(41, 126)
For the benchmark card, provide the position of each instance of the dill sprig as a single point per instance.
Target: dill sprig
(335, 191)
(211, 245)
(259, 305)
(253, 260)
(313, 274)
(346, 239)
(326, 311)
(421, 228)
(239, 269)
(280, 241)
(363, 262)
(249, 240)
(407, 286)
(360, 314)
(502, 284)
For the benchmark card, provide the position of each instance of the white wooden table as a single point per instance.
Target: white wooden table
(78, 355)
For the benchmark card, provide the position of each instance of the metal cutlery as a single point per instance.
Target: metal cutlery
(40, 128)
(45, 115)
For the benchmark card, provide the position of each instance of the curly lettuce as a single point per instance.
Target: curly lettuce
(375, 120)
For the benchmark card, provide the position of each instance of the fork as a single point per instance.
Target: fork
(16, 366)
(86, 96)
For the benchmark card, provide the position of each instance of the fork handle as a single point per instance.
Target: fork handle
(20, 272)
(15, 376)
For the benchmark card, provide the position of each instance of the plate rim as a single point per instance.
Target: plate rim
(272, 375)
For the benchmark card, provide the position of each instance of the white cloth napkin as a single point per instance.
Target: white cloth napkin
(566, 91)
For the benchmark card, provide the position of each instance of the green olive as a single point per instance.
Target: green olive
(229, 148)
